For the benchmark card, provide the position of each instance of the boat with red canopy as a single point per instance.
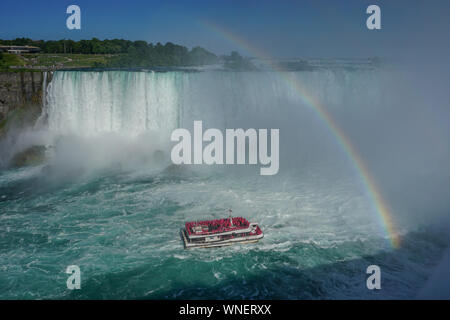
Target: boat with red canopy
(220, 232)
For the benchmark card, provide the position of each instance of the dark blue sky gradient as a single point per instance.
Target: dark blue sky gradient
(301, 28)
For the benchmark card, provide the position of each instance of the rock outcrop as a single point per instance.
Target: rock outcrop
(20, 98)
(31, 156)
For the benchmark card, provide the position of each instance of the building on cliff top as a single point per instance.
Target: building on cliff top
(20, 49)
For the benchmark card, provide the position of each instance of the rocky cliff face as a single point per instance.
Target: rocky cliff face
(21, 102)
(20, 97)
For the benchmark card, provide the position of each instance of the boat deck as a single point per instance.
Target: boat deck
(220, 232)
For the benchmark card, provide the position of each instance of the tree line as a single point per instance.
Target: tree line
(125, 53)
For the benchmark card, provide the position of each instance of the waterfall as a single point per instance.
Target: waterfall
(44, 89)
(129, 102)
(42, 118)
(87, 103)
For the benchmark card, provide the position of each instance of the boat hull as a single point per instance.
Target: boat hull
(218, 243)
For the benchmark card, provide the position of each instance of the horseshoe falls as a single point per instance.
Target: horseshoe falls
(129, 102)
(108, 199)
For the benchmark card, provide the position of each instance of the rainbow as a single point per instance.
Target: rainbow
(381, 207)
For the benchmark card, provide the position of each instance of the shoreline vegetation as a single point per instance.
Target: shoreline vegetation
(120, 54)
(112, 54)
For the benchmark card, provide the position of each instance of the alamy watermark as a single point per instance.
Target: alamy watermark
(237, 142)
(74, 280)
(74, 20)
(374, 280)
(373, 22)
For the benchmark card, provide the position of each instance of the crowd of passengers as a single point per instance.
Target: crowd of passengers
(219, 225)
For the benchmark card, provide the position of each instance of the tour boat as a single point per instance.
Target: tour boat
(220, 232)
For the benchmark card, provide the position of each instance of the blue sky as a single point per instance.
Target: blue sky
(283, 28)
